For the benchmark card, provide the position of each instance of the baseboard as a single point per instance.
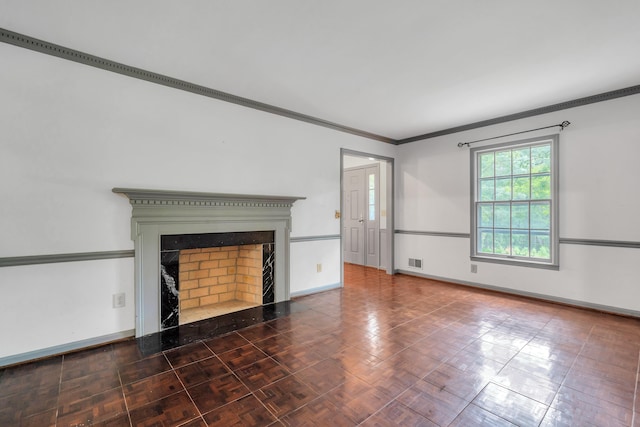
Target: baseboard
(64, 348)
(315, 290)
(543, 297)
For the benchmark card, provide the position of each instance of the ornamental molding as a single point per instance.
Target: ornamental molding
(45, 47)
(165, 198)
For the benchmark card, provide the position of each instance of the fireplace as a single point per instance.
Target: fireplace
(209, 273)
(160, 216)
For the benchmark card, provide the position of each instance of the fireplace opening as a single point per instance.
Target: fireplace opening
(207, 275)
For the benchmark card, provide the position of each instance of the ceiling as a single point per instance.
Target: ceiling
(395, 69)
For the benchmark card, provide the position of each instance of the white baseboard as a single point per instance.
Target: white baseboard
(550, 298)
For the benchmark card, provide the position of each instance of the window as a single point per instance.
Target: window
(372, 197)
(514, 202)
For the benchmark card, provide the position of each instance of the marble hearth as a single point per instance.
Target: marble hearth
(159, 215)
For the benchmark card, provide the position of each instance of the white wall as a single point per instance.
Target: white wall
(69, 133)
(41, 299)
(599, 176)
(305, 257)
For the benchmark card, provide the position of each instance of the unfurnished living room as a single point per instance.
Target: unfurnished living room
(295, 213)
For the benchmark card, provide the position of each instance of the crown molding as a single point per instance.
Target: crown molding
(31, 43)
(606, 96)
(27, 42)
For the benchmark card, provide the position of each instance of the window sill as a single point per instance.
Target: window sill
(516, 263)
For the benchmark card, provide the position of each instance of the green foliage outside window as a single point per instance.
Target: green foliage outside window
(513, 215)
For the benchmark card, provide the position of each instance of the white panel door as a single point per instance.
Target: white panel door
(354, 205)
(361, 220)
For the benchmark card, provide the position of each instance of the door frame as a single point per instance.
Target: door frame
(388, 249)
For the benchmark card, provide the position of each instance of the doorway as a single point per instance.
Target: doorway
(361, 225)
(367, 210)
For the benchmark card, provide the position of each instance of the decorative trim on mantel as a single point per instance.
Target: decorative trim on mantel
(141, 197)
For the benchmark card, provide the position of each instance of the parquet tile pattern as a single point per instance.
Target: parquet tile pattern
(382, 351)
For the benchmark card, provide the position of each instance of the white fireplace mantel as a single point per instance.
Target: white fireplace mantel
(157, 212)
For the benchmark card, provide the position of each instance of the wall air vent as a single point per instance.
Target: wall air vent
(414, 262)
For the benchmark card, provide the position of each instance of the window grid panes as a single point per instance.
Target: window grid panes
(514, 201)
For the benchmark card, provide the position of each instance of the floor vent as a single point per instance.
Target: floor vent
(413, 262)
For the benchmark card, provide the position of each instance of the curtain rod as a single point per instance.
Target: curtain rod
(561, 126)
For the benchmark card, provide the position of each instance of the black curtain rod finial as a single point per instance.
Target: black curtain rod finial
(564, 125)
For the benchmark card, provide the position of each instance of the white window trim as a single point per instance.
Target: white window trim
(554, 263)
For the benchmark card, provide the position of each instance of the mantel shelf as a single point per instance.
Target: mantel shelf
(167, 197)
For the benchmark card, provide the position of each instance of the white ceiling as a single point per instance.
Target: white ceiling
(393, 68)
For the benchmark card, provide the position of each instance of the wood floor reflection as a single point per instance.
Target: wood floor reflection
(382, 351)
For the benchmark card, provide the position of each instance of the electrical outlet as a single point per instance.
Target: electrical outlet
(318, 268)
(474, 268)
(119, 300)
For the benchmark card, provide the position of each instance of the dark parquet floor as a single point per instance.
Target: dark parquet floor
(382, 351)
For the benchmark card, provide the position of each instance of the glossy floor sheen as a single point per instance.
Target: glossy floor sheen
(381, 352)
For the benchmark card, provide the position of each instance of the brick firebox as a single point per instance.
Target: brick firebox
(214, 275)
